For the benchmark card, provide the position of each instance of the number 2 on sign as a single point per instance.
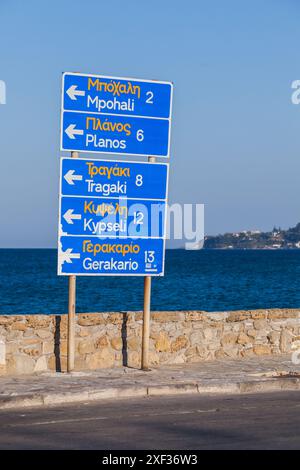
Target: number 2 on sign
(150, 95)
(138, 217)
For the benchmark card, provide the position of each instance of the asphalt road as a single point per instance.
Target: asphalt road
(261, 421)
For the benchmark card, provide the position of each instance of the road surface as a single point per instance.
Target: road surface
(261, 421)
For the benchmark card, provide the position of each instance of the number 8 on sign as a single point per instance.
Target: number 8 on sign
(139, 180)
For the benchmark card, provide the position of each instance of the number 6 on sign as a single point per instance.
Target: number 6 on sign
(140, 135)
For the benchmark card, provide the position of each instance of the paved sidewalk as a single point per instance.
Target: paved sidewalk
(259, 374)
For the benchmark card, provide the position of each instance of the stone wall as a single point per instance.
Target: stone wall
(35, 343)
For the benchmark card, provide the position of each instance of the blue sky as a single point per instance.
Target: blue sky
(235, 134)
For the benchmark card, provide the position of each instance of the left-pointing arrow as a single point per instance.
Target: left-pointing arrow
(70, 177)
(69, 216)
(68, 255)
(72, 92)
(71, 131)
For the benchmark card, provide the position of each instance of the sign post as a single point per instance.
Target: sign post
(71, 314)
(112, 213)
(146, 315)
(71, 323)
(146, 323)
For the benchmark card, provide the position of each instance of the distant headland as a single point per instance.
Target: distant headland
(277, 239)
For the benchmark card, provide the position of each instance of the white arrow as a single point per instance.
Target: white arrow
(69, 216)
(71, 131)
(72, 92)
(68, 255)
(70, 177)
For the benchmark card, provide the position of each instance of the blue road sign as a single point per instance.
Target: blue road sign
(111, 95)
(121, 217)
(112, 178)
(115, 115)
(112, 217)
(100, 256)
(115, 134)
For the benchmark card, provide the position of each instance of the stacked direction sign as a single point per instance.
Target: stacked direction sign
(112, 213)
(115, 115)
(112, 217)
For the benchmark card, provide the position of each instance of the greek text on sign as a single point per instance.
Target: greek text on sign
(107, 256)
(121, 217)
(115, 115)
(112, 217)
(113, 178)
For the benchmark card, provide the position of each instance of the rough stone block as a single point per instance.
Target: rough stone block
(20, 364)
(33, 351)
(134, 343)
(41, 364)
(196, 337)
(259, 314)
(231, 351)
(274, 337)
(47, 347)
(195, 316)
(20, 326)
(286, 339)
(229, 338)
(262, 349)
(261, 325)
(104, 358)
(180, 342)
(165, 317)
(7, 320)
(90, 319)
(238, 316)
(244, 339)
(44, 334)
(162, 344)
(63, 347)
(134, 359)
(86, 346)
(38, 321)
(101, 341)
(117, 343)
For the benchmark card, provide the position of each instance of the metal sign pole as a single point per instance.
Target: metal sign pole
(146, 314)
(71, 313)
(146, 323)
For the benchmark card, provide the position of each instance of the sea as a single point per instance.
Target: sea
(211, 280)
